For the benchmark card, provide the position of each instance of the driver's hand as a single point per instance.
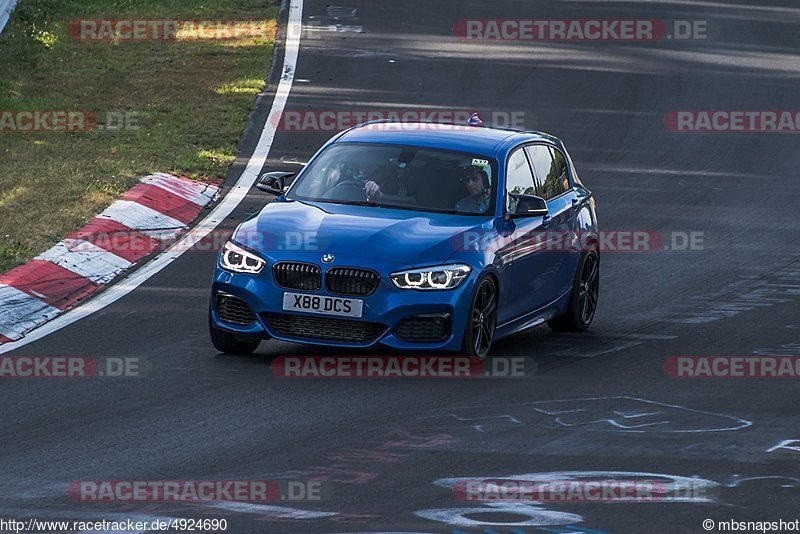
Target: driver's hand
(372, 189)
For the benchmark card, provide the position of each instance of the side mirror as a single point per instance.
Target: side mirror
(273, 182)
(529, 206)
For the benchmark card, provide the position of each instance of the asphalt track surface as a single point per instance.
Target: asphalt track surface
(380, 446)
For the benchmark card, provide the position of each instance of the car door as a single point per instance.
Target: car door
(552, 179)
(529, 269)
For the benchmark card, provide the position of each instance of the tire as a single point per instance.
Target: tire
(227, 342)
(584, 297)
(481, 320)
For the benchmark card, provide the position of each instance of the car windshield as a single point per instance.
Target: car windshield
(397, 176)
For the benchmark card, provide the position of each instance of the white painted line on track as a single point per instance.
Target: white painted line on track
(217, 215)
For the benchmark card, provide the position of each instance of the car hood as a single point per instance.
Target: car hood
(310, 229)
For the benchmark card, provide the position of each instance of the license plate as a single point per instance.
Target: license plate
(322, 304)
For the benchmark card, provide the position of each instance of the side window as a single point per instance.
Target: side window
(542, 160)
(561, 169)
(551, 177)
(519, 179)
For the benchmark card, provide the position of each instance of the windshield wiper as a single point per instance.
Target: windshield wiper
(427, 210)
(387, 206)
(345, 202)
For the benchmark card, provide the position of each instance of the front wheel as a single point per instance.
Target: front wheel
(481, 322)
(227, 342)
(583, 299)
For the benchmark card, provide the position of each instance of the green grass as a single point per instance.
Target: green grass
(190, 100)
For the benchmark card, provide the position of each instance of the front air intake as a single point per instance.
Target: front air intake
(293, 275)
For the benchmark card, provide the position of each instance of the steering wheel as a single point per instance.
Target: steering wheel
(349, 189)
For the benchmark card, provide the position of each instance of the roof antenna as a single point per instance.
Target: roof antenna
(475, 120)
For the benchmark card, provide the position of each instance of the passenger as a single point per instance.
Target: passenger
(479, 189)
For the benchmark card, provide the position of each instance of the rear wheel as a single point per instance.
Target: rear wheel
(228, 343)
(481, 322)
(583, 299)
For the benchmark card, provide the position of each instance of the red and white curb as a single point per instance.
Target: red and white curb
(156, 210)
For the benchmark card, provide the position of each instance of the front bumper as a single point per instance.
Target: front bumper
(387, 307)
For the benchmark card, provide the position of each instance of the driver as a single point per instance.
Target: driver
(477, 184)
(401, 183)
(343, 171)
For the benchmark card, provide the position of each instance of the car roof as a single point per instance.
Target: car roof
(484, 140)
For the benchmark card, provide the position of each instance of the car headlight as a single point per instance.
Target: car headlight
(441, 277)
(238, 260)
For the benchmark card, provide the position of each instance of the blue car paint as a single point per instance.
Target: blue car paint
(534, 285)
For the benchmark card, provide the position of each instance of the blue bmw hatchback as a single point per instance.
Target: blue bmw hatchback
(416, 237)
